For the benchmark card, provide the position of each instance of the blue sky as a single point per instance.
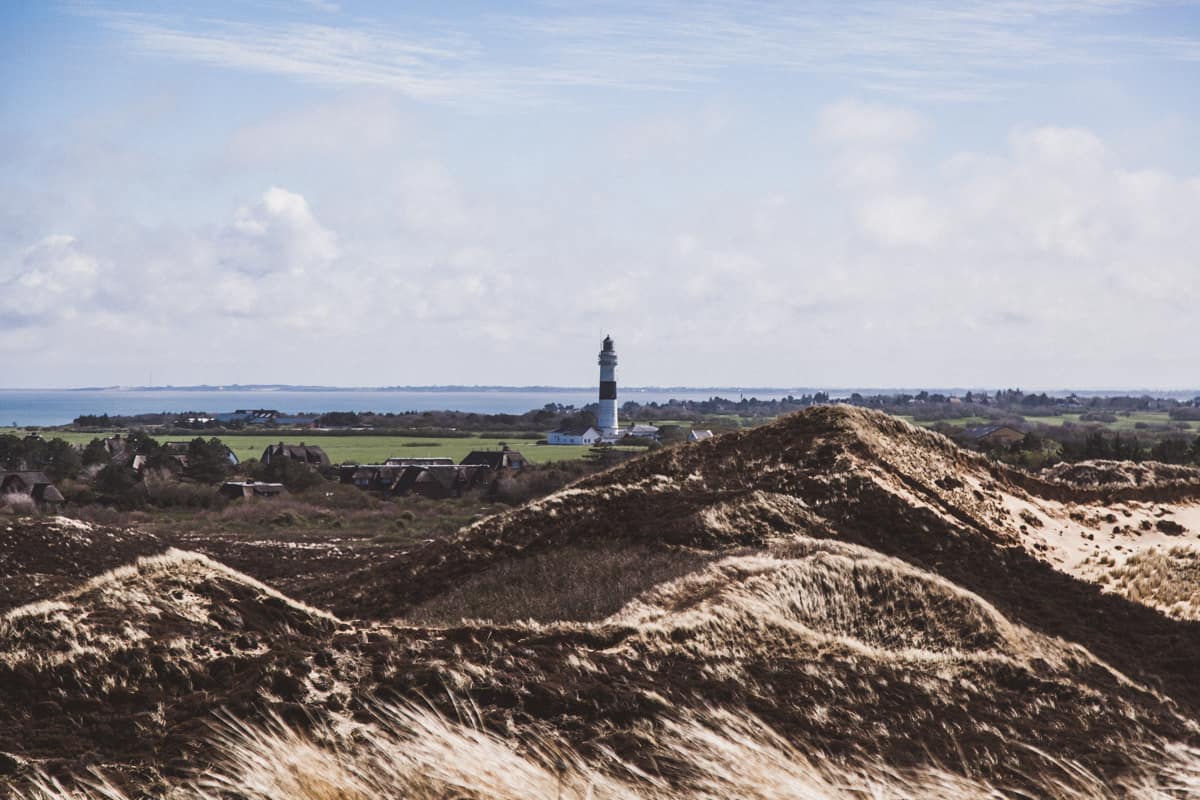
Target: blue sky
(755, 193)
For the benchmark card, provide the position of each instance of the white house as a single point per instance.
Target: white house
(697, 435)
(644, 431)
(574, 435)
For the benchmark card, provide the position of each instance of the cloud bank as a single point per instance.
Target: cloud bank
(1045, 261)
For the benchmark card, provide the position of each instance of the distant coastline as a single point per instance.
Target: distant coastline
(691, 390)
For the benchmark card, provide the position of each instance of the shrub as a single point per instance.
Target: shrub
(18, 502)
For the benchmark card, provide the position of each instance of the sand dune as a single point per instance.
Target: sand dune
(836, 604)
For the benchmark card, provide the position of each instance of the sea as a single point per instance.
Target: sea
(26, 408)
(47, 407)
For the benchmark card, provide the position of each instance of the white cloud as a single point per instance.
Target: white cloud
(280, 234)
(670, 136)
(51, 280)
(322, 5)
(1057, 147)
(903, 219)
(855, 122)
(416, 274)
(362, 126)
(919, 48)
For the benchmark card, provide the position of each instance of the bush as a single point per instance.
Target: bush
(164, 491)
(120, 486)
(17, 503)
(338, 495)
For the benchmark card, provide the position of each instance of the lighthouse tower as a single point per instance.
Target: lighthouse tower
(608, 389)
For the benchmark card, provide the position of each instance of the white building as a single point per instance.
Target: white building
(643, 431)
(574, 435)
(697, 435)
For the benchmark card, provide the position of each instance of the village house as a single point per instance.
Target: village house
(438, 482)
(643, 431)
(177, 457)
(576, 434)
(301, 453)
(116, 448)
(430, 477)
(993, 434)
(698, 435)
(181, 449)
(36, 485)
(503, 458)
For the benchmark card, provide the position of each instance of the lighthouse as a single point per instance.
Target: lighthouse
(608, 389)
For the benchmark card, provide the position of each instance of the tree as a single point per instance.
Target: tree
(581, 419)
(95, 453)
(12, 452)
(120, 486)
(295, 476)
(207, 461)
(62, 460)
(339, 419)
(1173, 451)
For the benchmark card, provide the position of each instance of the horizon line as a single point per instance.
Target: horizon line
(742, 389)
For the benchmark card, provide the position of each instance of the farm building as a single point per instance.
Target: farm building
(495, 459)
(302, 453)
(34, 484)
(697, 435)
(579, 434)
(993, 434)
(263, 416)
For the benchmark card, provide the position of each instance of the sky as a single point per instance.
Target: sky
(985, 193)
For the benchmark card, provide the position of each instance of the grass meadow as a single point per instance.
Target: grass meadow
(364, 449)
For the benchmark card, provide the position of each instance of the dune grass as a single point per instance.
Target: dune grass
(414, 753)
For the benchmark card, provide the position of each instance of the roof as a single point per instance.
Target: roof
(636, 429)
(451, 478)
(696, 434)
(983, 431)
(28, 479)
(47, 493)
(574, 430)
(494, 459)
(35, 482)
(251, 489)
(308, 453)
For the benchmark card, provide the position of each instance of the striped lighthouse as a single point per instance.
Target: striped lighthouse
(607, 418)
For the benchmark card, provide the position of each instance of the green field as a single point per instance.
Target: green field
(373, 449)
(963, 422)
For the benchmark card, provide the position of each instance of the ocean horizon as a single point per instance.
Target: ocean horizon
(50, 407)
